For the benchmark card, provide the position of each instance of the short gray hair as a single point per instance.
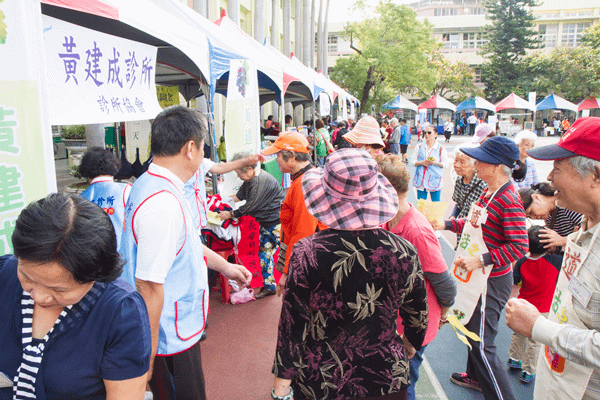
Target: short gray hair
(524, 135)
(584, 165)
(241, 155)
(465, 145)
(394, 121)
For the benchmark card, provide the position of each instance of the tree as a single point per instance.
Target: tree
(591, 37)
(509, 36)
(393, 53)
(454, 80)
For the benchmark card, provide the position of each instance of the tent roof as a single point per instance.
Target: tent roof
(588, 104)
(181, 60)
(512, 101)
(476, 103)
(437, 101)
(400, 102)
(554, 102)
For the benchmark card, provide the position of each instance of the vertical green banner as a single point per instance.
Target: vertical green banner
(26, 152)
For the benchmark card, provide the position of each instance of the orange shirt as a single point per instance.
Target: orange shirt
(296, 222)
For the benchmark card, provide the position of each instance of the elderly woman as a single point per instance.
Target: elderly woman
(99, 166)
(526, 141)
(263, 196)
(492, 243)
(337, 331)
(430, 158)
(70, 328)
(539, 202)
(411, 225)
(468, 187)
(366, 135)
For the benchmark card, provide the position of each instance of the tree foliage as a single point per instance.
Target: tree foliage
(393, 53)
(591, 37)
(454, 80)
(509, 36)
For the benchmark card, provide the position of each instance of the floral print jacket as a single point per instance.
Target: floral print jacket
(337, 330)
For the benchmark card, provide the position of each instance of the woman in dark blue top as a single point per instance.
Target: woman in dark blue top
(69, 329)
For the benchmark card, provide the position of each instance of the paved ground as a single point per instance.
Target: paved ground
(238, 353)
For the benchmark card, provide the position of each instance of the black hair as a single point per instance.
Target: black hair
(542, 188)
(98, 161)
(519, 172)
(270, 118)
(174, 127)
(403, 120)
(288, 118)
(341, 124)
(536, 247)
(71, 231)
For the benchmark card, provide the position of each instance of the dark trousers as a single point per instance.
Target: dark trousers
(483, 364)
(179, 376)
(472, 129)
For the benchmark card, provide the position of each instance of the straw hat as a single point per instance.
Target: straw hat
(349, 192)
(366, 132)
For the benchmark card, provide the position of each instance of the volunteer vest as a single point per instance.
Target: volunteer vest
(195, 193)
(110, 196)
(429, 177)
(185, 288)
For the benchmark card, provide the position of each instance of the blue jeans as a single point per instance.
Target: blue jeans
(422, 195)
(414, 363)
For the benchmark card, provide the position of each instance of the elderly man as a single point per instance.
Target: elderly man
(293, 157)
(569, 364)
(165, 259)
(395, 136)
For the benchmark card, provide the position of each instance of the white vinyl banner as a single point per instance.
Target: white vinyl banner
(26, 159)
(242, 121)
(96, 78)
(324, 104)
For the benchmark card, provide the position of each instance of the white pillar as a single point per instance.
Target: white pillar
(313, 15)
(201, 7)
(274, 24)
(320, 38)
(233, 11)
(298, 28)
(287, 20)
(326, 40)
(306, 41)
(259, 21)
(94, 135)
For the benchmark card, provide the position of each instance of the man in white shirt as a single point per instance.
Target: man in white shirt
(165, 259)
(472, 121)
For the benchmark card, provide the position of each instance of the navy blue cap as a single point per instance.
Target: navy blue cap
(496, 150)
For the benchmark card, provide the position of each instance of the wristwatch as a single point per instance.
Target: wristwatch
(288, 396)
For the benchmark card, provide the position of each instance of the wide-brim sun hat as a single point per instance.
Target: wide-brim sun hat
(496, 150)
(581, 139)
(366, 132)
(349, 192)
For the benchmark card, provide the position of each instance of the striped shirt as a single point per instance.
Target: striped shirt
(576, 344)
(565, 221)
(504, 232)
(467, 193)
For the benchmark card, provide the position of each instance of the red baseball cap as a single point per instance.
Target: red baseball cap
(292, 141)
(581, 139)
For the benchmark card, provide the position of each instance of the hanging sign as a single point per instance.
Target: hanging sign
(96, 78)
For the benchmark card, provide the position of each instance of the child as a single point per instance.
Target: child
(537, 274)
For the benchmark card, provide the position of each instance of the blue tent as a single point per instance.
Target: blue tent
(476, 103)
(399, 103)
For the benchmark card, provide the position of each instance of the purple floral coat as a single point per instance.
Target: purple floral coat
(337, 331)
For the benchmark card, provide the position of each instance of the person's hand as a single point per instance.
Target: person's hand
(410, 350)
(468, 263)
(224, 215)
(443, 320)
(437, 225)
(551, 238)
(521, 316)
(281, 284)
(238, 273)
(253, 159)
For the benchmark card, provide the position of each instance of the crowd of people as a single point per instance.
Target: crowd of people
(107, 293)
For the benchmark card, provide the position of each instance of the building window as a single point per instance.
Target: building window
(548, 34)
(477, 11)
(444, 12)
(472, 40)
(451, 40)
(332, 43)
(571, 34)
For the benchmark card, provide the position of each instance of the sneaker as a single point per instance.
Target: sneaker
(526, 377)
(461, 379)
(514, 364)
